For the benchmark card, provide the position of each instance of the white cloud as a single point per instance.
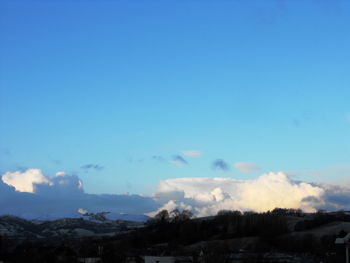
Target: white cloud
(170, 206)
(82, 211)
(25, 181)
(192, 153)
(209, 195)
(246, 167)
(60, 196)
(61, 174)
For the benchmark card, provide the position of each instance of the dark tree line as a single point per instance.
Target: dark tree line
(169, 232)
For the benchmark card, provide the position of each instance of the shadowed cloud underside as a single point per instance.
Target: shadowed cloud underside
(32, 194)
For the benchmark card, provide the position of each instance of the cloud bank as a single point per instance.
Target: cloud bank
(31, 194)
(207, 196)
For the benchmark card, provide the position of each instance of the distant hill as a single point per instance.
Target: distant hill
(230, 234)
(11, 226)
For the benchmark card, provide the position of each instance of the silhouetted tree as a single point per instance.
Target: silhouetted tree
(162, 216)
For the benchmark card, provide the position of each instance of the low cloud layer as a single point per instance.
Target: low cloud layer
(31, 194)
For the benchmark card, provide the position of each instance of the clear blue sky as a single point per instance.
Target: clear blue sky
(114, 83)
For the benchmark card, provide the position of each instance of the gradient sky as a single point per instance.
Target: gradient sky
(111, 84)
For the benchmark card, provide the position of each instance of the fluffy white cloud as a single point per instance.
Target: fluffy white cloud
(209, 195)
(25, 181)
(192, 153)
(170, 206)
(246, 167)
(277, 190)
(35, 195)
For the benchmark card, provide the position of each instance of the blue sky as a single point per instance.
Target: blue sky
(114, 83)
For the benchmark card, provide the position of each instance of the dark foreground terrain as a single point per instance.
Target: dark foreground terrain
(282, 235)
